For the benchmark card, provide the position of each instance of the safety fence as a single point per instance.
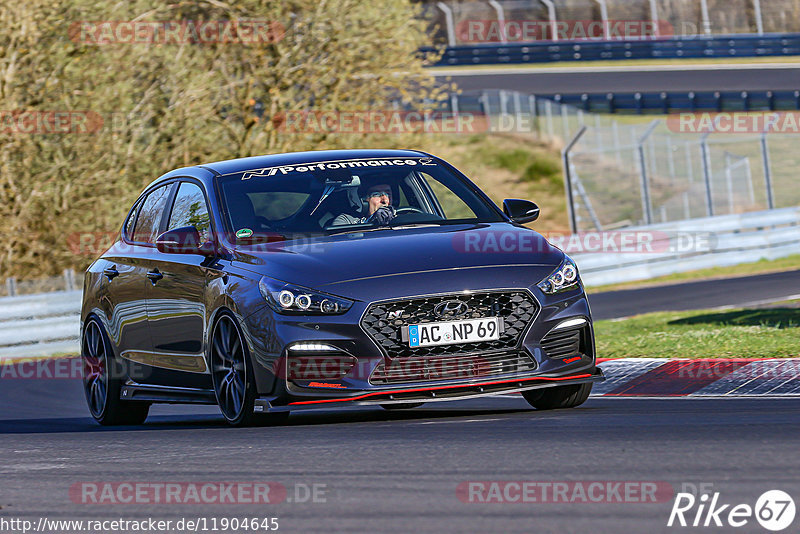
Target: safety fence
(453, 22)
(664, 102)
(627, 171)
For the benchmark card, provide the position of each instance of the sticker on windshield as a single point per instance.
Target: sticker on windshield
(244, 233)
(340, 164)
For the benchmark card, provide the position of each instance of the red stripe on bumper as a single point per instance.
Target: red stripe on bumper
(366, 395)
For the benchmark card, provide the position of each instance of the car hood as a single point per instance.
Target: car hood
(388, 262)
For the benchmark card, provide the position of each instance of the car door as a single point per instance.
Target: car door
(125, 275)
(176, 296)
(122, 295)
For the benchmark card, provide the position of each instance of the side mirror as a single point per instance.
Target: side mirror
(520, 211)
(185, 240)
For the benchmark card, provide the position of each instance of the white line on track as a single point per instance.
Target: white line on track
(461, 421)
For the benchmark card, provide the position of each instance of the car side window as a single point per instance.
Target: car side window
(131, 221)
(453, 206)
(190, 209)
(149, 219)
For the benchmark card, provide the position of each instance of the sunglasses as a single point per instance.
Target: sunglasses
(376, 194)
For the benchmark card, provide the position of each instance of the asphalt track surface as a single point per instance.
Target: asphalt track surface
(727, 292)
(398, 471)
(675, 78)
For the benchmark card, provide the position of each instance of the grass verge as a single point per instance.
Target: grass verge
(789, 263)
(742, 333)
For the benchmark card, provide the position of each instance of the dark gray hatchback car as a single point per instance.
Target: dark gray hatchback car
(284, 282)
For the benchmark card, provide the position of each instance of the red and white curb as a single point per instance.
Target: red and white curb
(729, 377)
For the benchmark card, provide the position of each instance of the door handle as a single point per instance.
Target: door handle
(155, 276)
(111, 272)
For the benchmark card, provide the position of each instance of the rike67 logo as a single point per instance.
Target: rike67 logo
(774, 510)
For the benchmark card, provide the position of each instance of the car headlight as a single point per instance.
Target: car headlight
(292, 299)
(562, 279)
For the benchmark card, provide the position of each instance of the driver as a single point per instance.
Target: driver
(379, 204)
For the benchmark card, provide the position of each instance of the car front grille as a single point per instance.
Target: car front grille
(563, 343)
(383, 321)
(457, 367)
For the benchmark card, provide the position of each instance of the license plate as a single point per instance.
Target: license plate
(449, 332)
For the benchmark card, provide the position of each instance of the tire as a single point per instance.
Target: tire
(403, 406)
(103, 377)
(558, 397)
(232, 376)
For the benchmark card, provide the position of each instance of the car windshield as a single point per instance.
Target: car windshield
(315, 199)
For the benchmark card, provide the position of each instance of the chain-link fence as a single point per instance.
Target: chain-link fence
(625, 171)
(449, 18)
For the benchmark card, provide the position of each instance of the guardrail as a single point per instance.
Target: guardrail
(730, 239)
(665, 102)
(718, 46)
(40, 325)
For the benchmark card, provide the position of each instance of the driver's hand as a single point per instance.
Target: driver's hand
(383, 215)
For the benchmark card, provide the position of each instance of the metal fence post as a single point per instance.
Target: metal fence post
(654, 17)
(534, 113)
(767, 174)
(501, 19)
(11, 286)
(548, 108)
(551, 15)
(704, 15)
(749, 174)
(670, 161)
(451, 27)
(573, 222)
(759, 19)
(729, 181)
(517, 112)
(69, 279)
(707, 173)
(646, 204)
(604, 18)
(454, 104)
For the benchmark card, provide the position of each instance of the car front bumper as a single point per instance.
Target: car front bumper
(272, 337)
